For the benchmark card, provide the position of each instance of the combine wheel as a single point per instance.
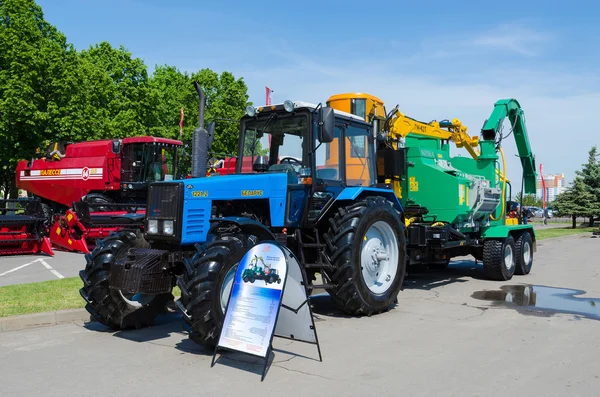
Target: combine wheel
(95, 201)
(109, 306)
(205, 292)
(367, 247)
(524, 254)
(499, 258)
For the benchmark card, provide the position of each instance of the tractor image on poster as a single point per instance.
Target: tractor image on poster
(357, 193)
(255, 272)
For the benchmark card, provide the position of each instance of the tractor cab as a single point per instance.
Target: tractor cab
(148, 160)
(320, 150)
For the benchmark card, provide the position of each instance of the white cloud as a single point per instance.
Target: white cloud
(515, 38)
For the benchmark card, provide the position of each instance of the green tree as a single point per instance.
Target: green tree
(37, 66)
(528, 200)
(226, 101)
(116, 96)
(576, 201)
(590, 175)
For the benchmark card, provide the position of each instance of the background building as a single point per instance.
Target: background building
(555, 184)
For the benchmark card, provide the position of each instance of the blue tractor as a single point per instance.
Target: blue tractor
(339, 222)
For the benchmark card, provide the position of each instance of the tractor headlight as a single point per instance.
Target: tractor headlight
(168, 227)
(288, 106)
(251, 111)
(152, 226)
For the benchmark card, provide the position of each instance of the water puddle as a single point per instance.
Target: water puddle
(543, 300)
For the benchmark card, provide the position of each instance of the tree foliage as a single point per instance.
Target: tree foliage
(36, 66)
(50, 92)
(529, 200)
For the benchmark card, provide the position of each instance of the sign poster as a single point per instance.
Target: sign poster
(295, 319)
(255, 300)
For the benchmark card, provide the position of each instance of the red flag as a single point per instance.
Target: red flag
(543, 184)
(268, 96)
(181, 124)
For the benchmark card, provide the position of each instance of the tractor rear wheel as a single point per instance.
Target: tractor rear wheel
(499, 258)
(524, 254)
(205, 292)
(109, 306)
(367, 247)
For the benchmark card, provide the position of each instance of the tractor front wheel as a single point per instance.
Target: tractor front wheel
(112, 307)
(205, 292)
(367, 248)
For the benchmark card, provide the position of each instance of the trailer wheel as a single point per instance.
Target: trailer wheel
(205, 292)
(109, 306)
(367, 247)
(524, 254)
(499, 259)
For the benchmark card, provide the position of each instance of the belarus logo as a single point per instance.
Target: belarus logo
(85, 174)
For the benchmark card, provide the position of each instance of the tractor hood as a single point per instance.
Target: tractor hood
(240, 186)
(199, 194)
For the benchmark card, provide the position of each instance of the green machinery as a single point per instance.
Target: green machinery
(453, 206)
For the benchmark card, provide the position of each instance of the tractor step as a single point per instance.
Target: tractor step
(322, 286)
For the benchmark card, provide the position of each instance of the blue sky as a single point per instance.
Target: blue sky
(435, 59)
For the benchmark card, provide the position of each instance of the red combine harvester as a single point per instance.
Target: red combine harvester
(89, 189)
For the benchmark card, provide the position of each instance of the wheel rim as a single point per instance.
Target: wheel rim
(526, 253)
(379, 257)
(137, 300)
(226, 286)
(508, 257)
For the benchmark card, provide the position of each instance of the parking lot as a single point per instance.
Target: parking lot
(439, 340)
(20, 269)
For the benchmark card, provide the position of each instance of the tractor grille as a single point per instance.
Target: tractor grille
(164, 200)
(195, 221)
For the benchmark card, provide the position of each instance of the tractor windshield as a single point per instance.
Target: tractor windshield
(149, 162)
(276, 140)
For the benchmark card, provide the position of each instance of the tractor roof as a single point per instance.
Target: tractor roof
(306, 105)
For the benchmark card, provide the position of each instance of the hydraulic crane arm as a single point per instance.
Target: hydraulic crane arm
(400, 125)
(493, 126)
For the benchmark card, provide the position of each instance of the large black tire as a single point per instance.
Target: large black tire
(110, 306)
(524, 254)
(202, 289)
(497, 262)
(95, 201)
(48, 217)
(344, 240)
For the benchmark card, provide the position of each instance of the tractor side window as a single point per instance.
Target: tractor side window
(328, 158)
(359, 160)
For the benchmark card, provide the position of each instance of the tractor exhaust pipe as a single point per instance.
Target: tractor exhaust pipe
(200, 139)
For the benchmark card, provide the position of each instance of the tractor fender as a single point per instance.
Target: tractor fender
(247, 225)
(351, 194)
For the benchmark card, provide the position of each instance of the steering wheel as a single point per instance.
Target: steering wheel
(291, 161)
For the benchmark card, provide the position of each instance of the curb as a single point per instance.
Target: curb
(17, 323)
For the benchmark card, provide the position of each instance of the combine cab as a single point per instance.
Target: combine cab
(22, 228)
(90, 189)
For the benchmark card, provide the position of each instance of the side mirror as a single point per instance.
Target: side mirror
(211, 133)
(116, 146)
(326, 124)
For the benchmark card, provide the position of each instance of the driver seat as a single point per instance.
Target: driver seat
(288, 169)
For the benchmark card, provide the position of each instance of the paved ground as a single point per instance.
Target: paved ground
(437, 341)
(19, 269)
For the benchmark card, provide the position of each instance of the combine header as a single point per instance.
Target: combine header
(22, 228)
(89, 189)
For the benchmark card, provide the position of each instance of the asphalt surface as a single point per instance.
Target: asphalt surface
(20, 269)
(438, 340)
